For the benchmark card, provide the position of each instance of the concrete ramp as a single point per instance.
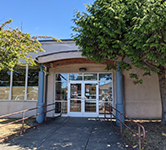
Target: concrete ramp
(69, 134)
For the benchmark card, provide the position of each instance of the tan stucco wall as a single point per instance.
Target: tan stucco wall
(74, 68)
(142, 101)
(7, 107)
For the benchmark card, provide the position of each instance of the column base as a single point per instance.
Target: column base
(119, 107)
(40, 118)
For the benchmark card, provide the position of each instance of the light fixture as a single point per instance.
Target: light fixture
(82, 69)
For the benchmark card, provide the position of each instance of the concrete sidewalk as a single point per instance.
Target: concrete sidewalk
(69, 134)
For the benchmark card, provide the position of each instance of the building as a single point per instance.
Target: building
(79, 86)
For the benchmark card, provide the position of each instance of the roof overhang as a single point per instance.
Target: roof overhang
(59, 56)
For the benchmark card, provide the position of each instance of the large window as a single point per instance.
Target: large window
(33, 76)
(61, 93)
(20, 84)
(4, 84)
(105, 91)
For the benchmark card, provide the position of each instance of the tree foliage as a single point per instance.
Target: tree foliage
(16, 45)
(116, 29)
(131, 32)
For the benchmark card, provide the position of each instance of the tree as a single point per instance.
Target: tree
(126, 29)
(15, 45)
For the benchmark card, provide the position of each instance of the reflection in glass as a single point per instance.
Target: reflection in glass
(90, 106)
(90, 91)
(33, 90)
(58, 107)
(4, 96)
(18, 93)
(75, 76)
(31, 96)
(105, 91)
(18, 90)
(4, 92)
(5, 77)
(61, 107)
(104, 106)
(90, 76)
(75, 106)
(61, 77)
(75, 91)
(61, 90)
(4, 84)
(105, 76)
(33, 77)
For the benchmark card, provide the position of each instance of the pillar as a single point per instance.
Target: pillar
(119, 95)
(40, 118)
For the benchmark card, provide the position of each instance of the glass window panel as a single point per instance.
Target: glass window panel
(61, 77)
(19, 76)
(32, 96)
(75, 76)
(90, 76)
(4, 96)
(103, 106)
(75, 106)
(61, 90)
(58, 107)
(90, 106)
(18, 93)
(4, 83)
(4, 90)
(90, 91)
(105, 76)
(33, 89)
(105, 91)
(18, 89)
(75, 91)
(33, 76)
(61, 107)
(5, 77)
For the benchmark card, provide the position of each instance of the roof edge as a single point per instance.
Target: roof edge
(56, 41)
(58, 53)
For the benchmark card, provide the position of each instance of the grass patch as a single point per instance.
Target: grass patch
(15, 127)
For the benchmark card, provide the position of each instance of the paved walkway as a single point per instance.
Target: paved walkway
(68, 134)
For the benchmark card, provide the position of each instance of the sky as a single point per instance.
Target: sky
(42, 17)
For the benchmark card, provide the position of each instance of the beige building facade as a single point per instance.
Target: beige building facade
(80, 87)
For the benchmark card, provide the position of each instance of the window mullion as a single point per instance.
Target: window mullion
(26, 83)
(11, 83)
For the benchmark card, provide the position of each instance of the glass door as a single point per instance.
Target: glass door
(75, 99)
(83, 99)
(90, 99)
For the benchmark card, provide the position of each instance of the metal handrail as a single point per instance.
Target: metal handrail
(24, 118)
(111, 109)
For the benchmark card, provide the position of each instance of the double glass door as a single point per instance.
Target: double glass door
(83, 100)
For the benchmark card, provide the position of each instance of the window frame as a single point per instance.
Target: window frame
(26, 87)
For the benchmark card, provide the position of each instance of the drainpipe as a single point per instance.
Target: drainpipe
(40, 118)
(119, 94)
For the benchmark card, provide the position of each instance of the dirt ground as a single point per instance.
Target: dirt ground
(155, 138)
(13, 128)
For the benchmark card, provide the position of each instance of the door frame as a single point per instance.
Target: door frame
(83, 113)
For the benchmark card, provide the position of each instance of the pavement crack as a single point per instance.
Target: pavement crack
(88, 138)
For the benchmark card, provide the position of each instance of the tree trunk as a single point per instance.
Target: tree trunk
(162, 85)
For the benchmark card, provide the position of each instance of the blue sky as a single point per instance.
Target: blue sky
(42, 17)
